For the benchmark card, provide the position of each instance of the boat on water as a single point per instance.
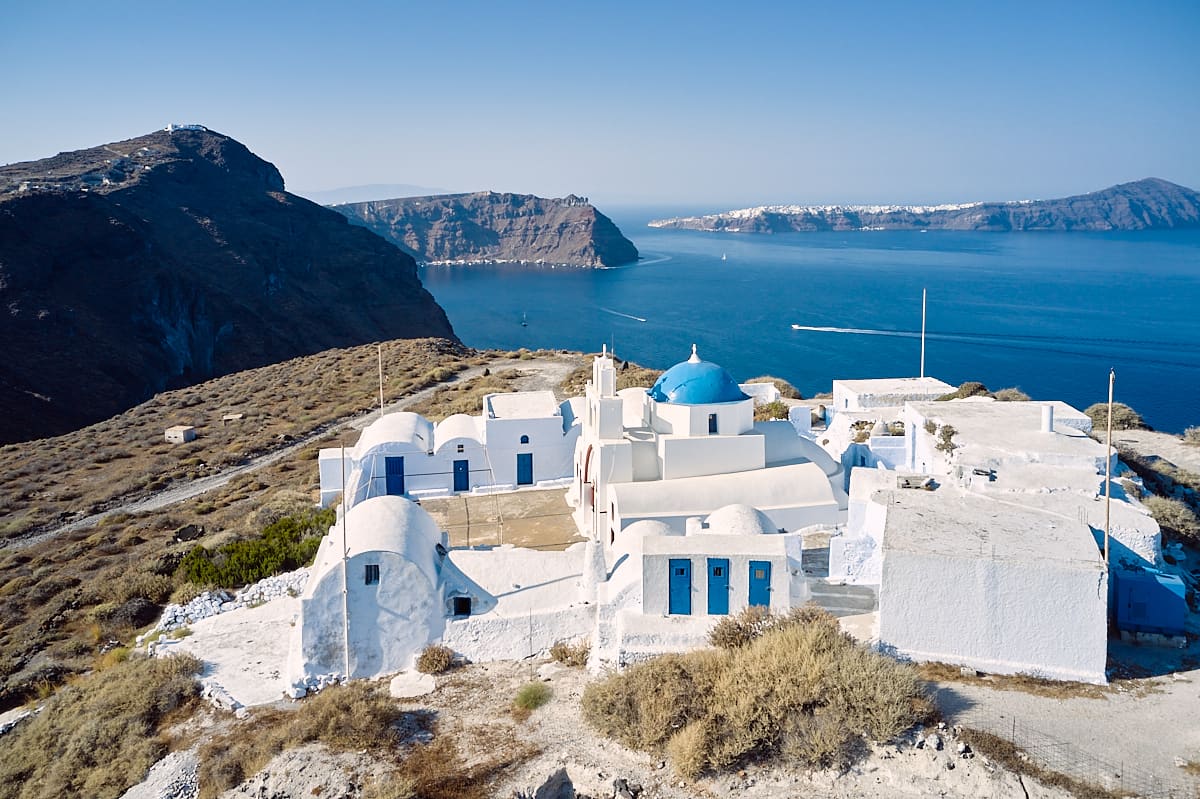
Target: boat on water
(722, 256)
(524, 321)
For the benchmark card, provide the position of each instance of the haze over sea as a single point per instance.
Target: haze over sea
(1049, 313)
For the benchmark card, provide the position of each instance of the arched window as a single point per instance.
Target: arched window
(524, 439)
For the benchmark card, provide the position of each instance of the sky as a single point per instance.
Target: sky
(694, 104)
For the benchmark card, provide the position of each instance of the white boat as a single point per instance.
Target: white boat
(722, 256)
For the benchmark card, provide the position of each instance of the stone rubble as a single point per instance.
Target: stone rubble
(173, 777)
(212, 603)
(312, 685)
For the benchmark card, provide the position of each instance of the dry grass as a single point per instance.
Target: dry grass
(1013, 758)
(101, 734)
(1025, 683)
(770, 410)
(1123, 417)
(465, 396)
(435, 659)
(1175, 517)
(797, 686)
(125, 457)
(786, 389)
(574, 655)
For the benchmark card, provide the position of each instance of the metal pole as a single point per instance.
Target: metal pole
(345, 572)
(922, 332)
(381, 381)
(1112, 376)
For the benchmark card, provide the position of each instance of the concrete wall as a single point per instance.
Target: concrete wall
(655, 577)
(551, 448)
(1003, 617)
(693, 457)
(390, 622)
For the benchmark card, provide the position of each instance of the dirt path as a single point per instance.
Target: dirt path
(546, 374)
(1166, 446)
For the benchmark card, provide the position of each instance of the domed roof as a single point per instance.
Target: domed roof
(696, 382)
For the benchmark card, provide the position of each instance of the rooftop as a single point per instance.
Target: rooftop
(521, 405)
(921, 386)
(959, 524)
(696, 382)
(996, 431)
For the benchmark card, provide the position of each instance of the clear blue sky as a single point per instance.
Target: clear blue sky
(695, 103)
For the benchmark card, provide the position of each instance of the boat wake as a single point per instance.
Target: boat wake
(618, 313)
(858, 330)
(657, 259)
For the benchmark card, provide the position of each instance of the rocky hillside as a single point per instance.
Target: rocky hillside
(1148, 204)
(169, 259)
(491, 227)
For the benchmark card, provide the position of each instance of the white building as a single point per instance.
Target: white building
(521, 439)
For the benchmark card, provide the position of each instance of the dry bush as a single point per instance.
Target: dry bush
(786, 389)
(1123, 417)
(435, 659)
(131, 585)
(357, 716)
(970, 388)
(1174, 516)
(629, 375)
(1011, 395)
(574, 655)
(732, 632)
(794, 683)
(1192, 435)
(101, 734)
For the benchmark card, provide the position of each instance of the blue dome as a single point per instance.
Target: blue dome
(696, 382)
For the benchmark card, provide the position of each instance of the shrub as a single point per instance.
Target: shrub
(1011, 395)
(968, 389)
(286, 544)
(1174, 516)
(946, 435)
(532, 695)
(575, 655)
(1192, 435)
(435, 659)
(1124, 417)
(771, 410)
(786, 389)
(99, 735)
(793, 684)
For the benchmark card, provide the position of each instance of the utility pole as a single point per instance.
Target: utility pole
(345, 572)
(381, 381)
(1112, 376)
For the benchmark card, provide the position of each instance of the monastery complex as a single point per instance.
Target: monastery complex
(967, 531)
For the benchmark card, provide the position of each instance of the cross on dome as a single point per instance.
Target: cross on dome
(695, 358)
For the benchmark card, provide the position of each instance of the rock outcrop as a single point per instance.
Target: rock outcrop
(169, 259)
(489, 227)
(1149, 204)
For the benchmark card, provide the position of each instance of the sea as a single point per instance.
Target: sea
(1049, 313)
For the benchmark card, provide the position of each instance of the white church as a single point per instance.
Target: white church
(973, 522)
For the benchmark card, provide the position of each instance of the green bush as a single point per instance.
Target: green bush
(793, 685)
(1124, 417)
(532, 695)
(770, 410)
(285, 544)
(435, 659)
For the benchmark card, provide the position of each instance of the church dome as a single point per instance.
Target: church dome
(696, 382)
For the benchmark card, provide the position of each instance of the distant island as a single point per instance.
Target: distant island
(1149, 204)
(169, 259)
(492, 227)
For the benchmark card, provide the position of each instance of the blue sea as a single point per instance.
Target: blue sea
(1049, 313)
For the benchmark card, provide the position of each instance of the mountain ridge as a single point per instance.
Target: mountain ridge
(170, 258)
(490, 227)
(1147, 204)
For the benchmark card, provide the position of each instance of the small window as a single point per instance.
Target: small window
(460, 448)
(760, 574)
(461, 606)
(524, 439)
(718, 571)
(372, 574)
(712, 423)
(680, 571)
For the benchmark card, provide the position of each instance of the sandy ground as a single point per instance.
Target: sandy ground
(526, 518)
(1163, 445)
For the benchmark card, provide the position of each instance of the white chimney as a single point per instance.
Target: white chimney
(1047, 418)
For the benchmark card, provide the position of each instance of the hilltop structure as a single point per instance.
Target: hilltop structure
(977, 525)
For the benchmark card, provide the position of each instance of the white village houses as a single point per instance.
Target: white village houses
(691, 510)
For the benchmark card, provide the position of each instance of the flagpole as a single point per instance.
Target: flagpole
(1112, 376)
(345, 572)
(922, 332)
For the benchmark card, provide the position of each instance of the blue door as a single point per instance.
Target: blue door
(679, 598)
(760, 583)
(718, 586)
(393, 469)
(462, 476)
(525, 469)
